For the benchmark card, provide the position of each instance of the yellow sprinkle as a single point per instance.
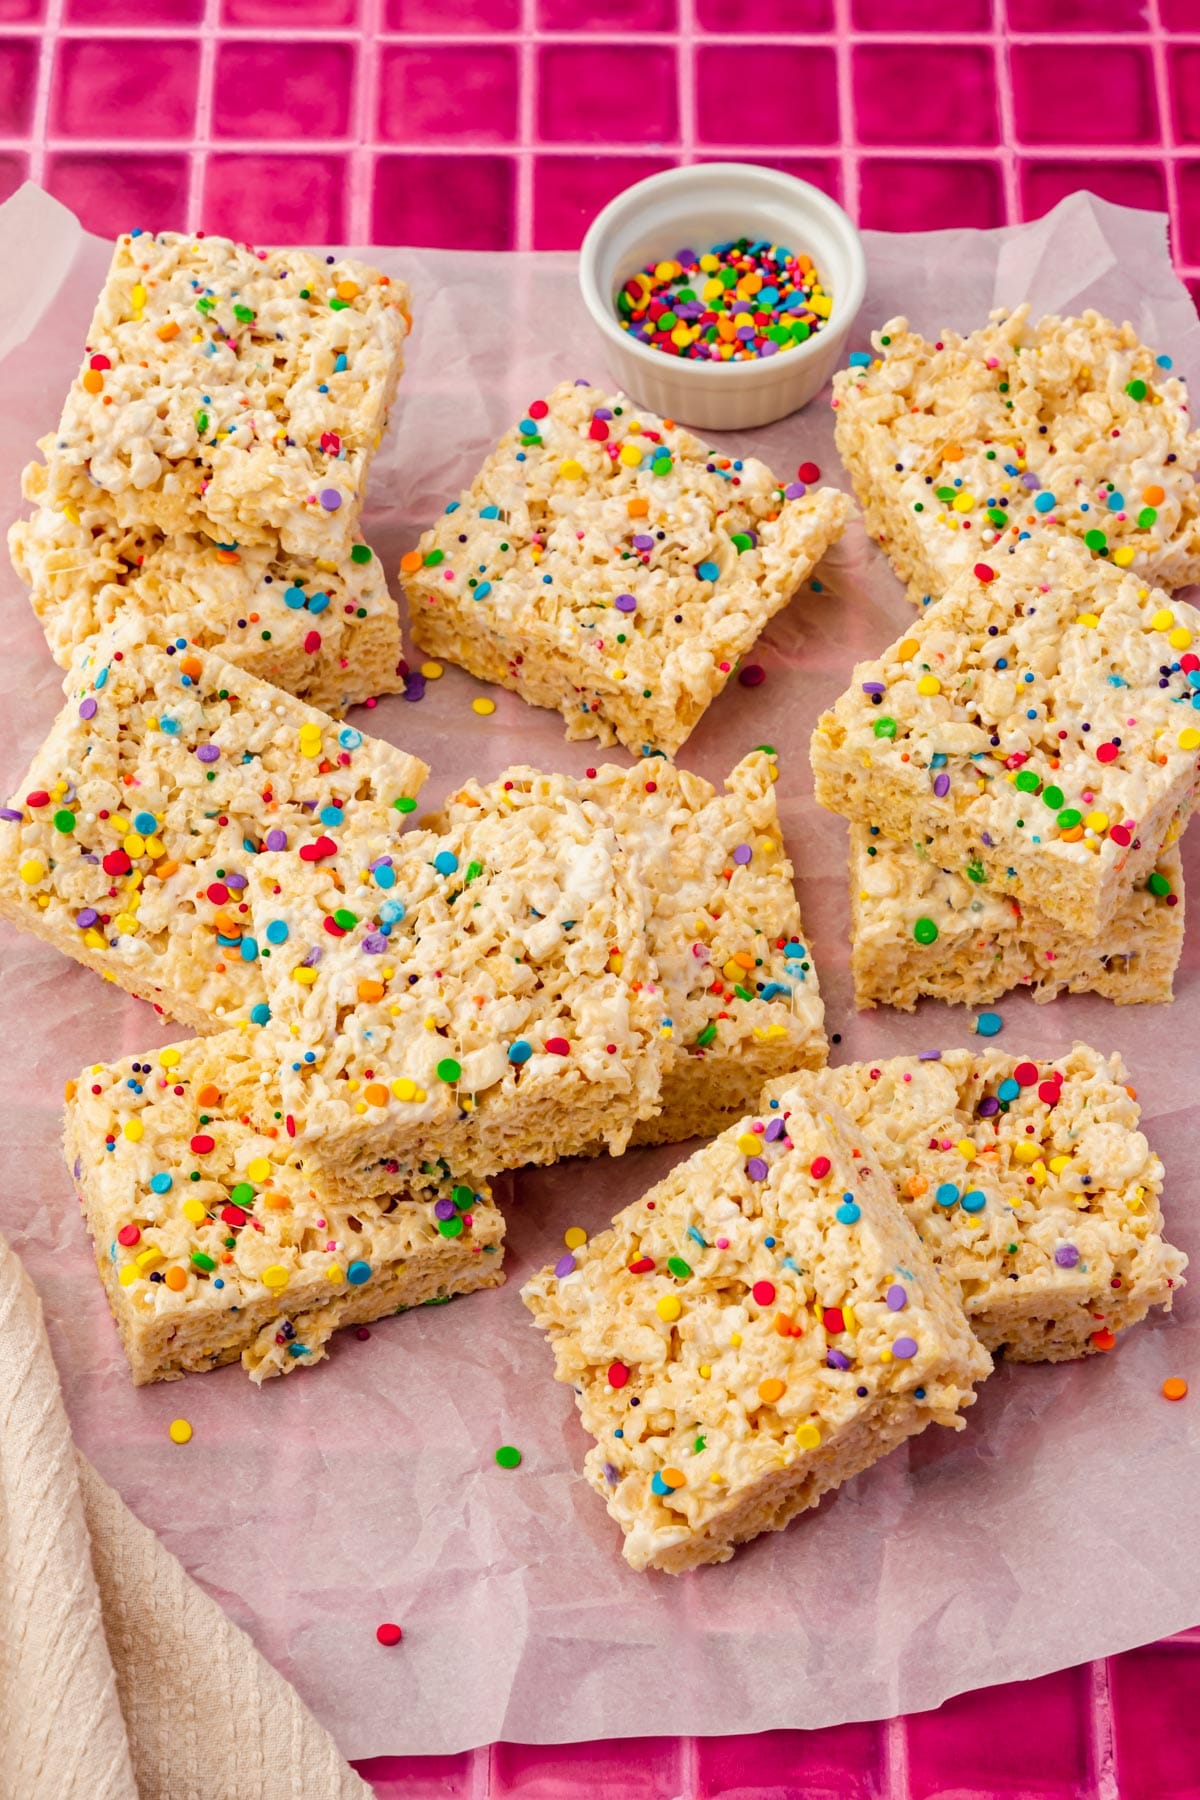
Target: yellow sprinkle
(963, 502)
(906, 649)
(31, 871)
(1096, 821)
(404, 1089)
(928, 684)
(749, 1143)
(704, 1371)
(735, 1338)
(669, 1308)
(134, 844)
(1088, 619)
(808, 1435)
(1124, 556)
(1189, 738)
(137, 299)
(258, 1169)
(1027, 1152)
(169, 1057)
(432, 670)
(1058, 1164)
(147, 1258)
(1180, 638)
(180, 1430)
(195, 1211)
(574, 1237)
(275, 1277)
(333, 1273)
(885, 1356)
(483, 707)
(630, 456)
(305, 977)
(134, 1130)
(570, 470)
(965, 1148)
(1163, 619)
(129, 1274)
(125, 923)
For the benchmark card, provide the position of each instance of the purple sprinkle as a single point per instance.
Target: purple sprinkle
(444, 1209)
(742, 853)
(602, 412)
(207, 752)
(7, 812)
(237, 882)
(686, 255)
(904, 1348)
(78, 1169)
(277, 840)
(642, 542)
(88, 708)
(611, 1474)
(774, 1130)
(330, 499)
(930, 1056)
(565, 1265)
(1066, 1256)
(86, 917)
(897, 1298)
(988, 1107)
(1031, 480)
(770, 348)
(986, 838)
(375, 943)
(795, 490)
(313, 958)
(874, 687)
(625, 603)
(414, 686)
(756, 1169)
(941, 784)
(381, 862)
(837, 1359)
(90, 858)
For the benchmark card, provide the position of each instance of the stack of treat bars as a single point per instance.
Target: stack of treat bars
(392, 1012)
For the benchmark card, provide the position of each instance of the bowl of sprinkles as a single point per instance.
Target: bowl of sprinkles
(725, 292)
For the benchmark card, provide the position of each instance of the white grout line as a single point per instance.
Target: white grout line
(847, 114)
(49, 32)
(1102, 1750)
(1006, 110)
(896, 1783)
(364, 155)
(202, 140)
(527, 78)
(1166, 129)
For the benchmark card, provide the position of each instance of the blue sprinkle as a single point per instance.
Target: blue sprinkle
(277, 932)
(489, 512)
(860, 359)
(849, 1211)
(384, 876)
(1045, 502)
(358, 1272)
(445, 862)
(260, 1014)
(483, 590)
(975, 1201)
(519, 1052)
(988, 1024)
(708, 571)
(294, 597)
(318, 602)
(161, 1184)
(348, 738)
(249, 950)
(947, 1194)
(331, 815)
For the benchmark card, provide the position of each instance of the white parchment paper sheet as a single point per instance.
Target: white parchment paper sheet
(1060, 1525)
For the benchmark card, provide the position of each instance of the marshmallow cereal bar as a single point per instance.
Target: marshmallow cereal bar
(607, 564)
(1038, 725)
(481, 993)
(920, 929)
(167, 772)
(960, 449)
(234, 392)
(212, 1244)
(1030, 1185)
(759, 1327)
(325, 631)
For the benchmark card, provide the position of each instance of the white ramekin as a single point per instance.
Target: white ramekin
(703, 205)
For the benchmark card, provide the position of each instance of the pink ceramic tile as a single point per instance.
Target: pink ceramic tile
(1188, 243)
(800, 16)
(1177, 15)
(137, 87)
(418, 1777)
(463, 15)
(843, 1764)
(271, 90)
(928, 94)
(1027, 1739)
(568, 192)
(1184, 65)
(1054, 16)
(308, 13)
(18, 76)
(448, 94)
(824, 172)
(904, 194)
(20, 12)
(1045, 182)
(583, 87)
(765, 94)
(606, 15)
(13, 170)
(110, 192)
(1103, 94)
(267, 199)
(919, 15)
(448, 202)
(1156, 1709)
(134, 12)
(635, 1769)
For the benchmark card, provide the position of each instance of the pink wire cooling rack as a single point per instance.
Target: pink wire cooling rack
(505, 124)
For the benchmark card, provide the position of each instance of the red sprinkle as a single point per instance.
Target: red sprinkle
(389, 1635)
(1050, 1092)
(643, 1266)
(324, 846)
(39, 797)
(808, 472)
(218, 893)
(312, 642)
(128, 1234)
(1121, 834)
(764, 1292)
(1026, 1073)
(752, 675)
(558, 1046)
(116, 863)
(232, 1215)
(1106, 753)
(202, 1144)
(832, 1319)
(819, 1167)
(618, 1375)
(538, 409)
(983, 573)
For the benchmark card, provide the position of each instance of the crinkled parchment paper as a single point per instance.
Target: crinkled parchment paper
(1060, 1525)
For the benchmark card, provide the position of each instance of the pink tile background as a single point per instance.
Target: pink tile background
(505, 124)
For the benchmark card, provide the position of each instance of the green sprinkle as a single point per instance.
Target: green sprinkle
(679, 1268)
(925, 931)
(1158, 884)
(1028, 782)
(433, 558)
(405, 804)
(1136, 389)
(64, 821)
(508, 1456)
(345, 918)
(1053, 796)
(1069, 818)
(448, 1069)
(885, 728)
(707, 1035)
(201, 1261)
(450, 1227)
(361, 553)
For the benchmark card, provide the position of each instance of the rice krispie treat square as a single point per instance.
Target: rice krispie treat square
(960, 449)
(759, 1327)
(919, 929)
(735, 970)
(129, 842)
(1038, 725)
(235, 392)
(607, 564)
(482, 993)
(213, 1244)
(1029, 1184)
(326, 631)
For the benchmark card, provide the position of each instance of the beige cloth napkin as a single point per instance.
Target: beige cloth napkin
(119, 1678)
